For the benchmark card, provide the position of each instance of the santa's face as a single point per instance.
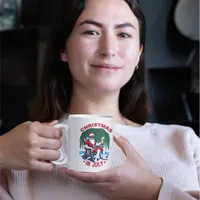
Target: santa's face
(92, 140)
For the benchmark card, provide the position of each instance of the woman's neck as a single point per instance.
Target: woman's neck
(85, 102)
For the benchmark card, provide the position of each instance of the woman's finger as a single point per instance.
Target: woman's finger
(49, 154)
(93, 177)
(124, 144)
(46, 131)
(47, 143)
(43, 166)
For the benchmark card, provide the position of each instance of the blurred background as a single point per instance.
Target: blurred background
(172, 58)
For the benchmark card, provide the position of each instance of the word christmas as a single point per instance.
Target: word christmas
(96, 125)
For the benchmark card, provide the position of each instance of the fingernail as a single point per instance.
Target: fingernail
(117, 135)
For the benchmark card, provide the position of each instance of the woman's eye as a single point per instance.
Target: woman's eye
(91, 33)
(124, 35)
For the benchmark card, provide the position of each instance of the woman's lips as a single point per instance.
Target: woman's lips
(107, 67)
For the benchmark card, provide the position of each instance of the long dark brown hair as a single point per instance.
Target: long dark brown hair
(55, 90)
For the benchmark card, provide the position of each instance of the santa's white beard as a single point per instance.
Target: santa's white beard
(92, 141)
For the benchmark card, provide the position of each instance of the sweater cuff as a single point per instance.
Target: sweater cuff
(170, 192)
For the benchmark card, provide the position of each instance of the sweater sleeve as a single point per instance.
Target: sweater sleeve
(170, 192)
(4, 194)
(196, 153)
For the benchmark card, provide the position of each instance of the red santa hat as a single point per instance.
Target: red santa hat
(90, 134)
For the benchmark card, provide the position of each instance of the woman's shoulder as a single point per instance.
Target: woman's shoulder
(162, 130)
(168, 133)
(174, 131)
(156, 127)
(170, 127)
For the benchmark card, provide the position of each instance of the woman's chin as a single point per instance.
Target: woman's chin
(106, 88)
(108, 84)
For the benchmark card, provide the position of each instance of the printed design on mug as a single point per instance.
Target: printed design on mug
(95, 145)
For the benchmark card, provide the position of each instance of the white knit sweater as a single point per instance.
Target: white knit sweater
(171, 151)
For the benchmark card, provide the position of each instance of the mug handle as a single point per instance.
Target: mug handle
(63, 159)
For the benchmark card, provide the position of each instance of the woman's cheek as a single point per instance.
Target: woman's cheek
(130, 52)
(127, 52)
(87, 48)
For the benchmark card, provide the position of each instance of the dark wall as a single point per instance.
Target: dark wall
(37, 12)
(166, 47)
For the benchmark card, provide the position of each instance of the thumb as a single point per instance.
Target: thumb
(124, 144)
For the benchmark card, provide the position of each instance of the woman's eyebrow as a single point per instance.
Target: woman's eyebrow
(100, 25)
(91, 22)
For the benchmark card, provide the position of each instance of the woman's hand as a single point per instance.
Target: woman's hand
(132, 180)
(28, 145)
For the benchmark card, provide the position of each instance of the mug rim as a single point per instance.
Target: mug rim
(89, 116)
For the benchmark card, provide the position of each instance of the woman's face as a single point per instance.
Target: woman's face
(103, 48)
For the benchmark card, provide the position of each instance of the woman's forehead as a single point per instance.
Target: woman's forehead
(109, 12)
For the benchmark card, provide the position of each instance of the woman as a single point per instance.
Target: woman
(95, 65)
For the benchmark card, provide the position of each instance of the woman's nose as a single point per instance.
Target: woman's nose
(108, 46)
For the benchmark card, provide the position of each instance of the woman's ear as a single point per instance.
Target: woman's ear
(63, 56)
(139, 54)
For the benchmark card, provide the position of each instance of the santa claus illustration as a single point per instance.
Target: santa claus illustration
(95, 147)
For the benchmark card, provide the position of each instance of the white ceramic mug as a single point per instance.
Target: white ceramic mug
(86, 143)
